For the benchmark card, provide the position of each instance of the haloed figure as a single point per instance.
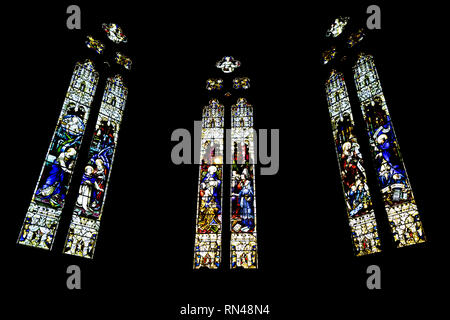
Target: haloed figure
(210, 188)
(88, 183)
(71, 129)
(53, 188)
(242, 200)
(246, 203)
(100, 178)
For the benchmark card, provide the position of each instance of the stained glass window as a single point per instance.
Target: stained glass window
(396, 190)
(208, 237)
(358, 200)
(243, 244)
(43, 215)
(83, 230)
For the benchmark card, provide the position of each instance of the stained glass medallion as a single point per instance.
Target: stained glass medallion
(228, 64)
(242, 196)
(114, 33)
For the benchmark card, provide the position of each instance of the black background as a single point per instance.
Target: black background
(143, 260)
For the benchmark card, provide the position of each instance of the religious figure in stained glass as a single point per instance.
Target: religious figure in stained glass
(43, 215)
(397, 193)
(392, 179)
(54, 188)
(42, 218)
(210, 200)
(353, 173)
(85, 224)
(208, 239)
(243, 244)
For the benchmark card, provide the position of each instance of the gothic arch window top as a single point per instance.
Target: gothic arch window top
(242, 114)
(213, 114)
